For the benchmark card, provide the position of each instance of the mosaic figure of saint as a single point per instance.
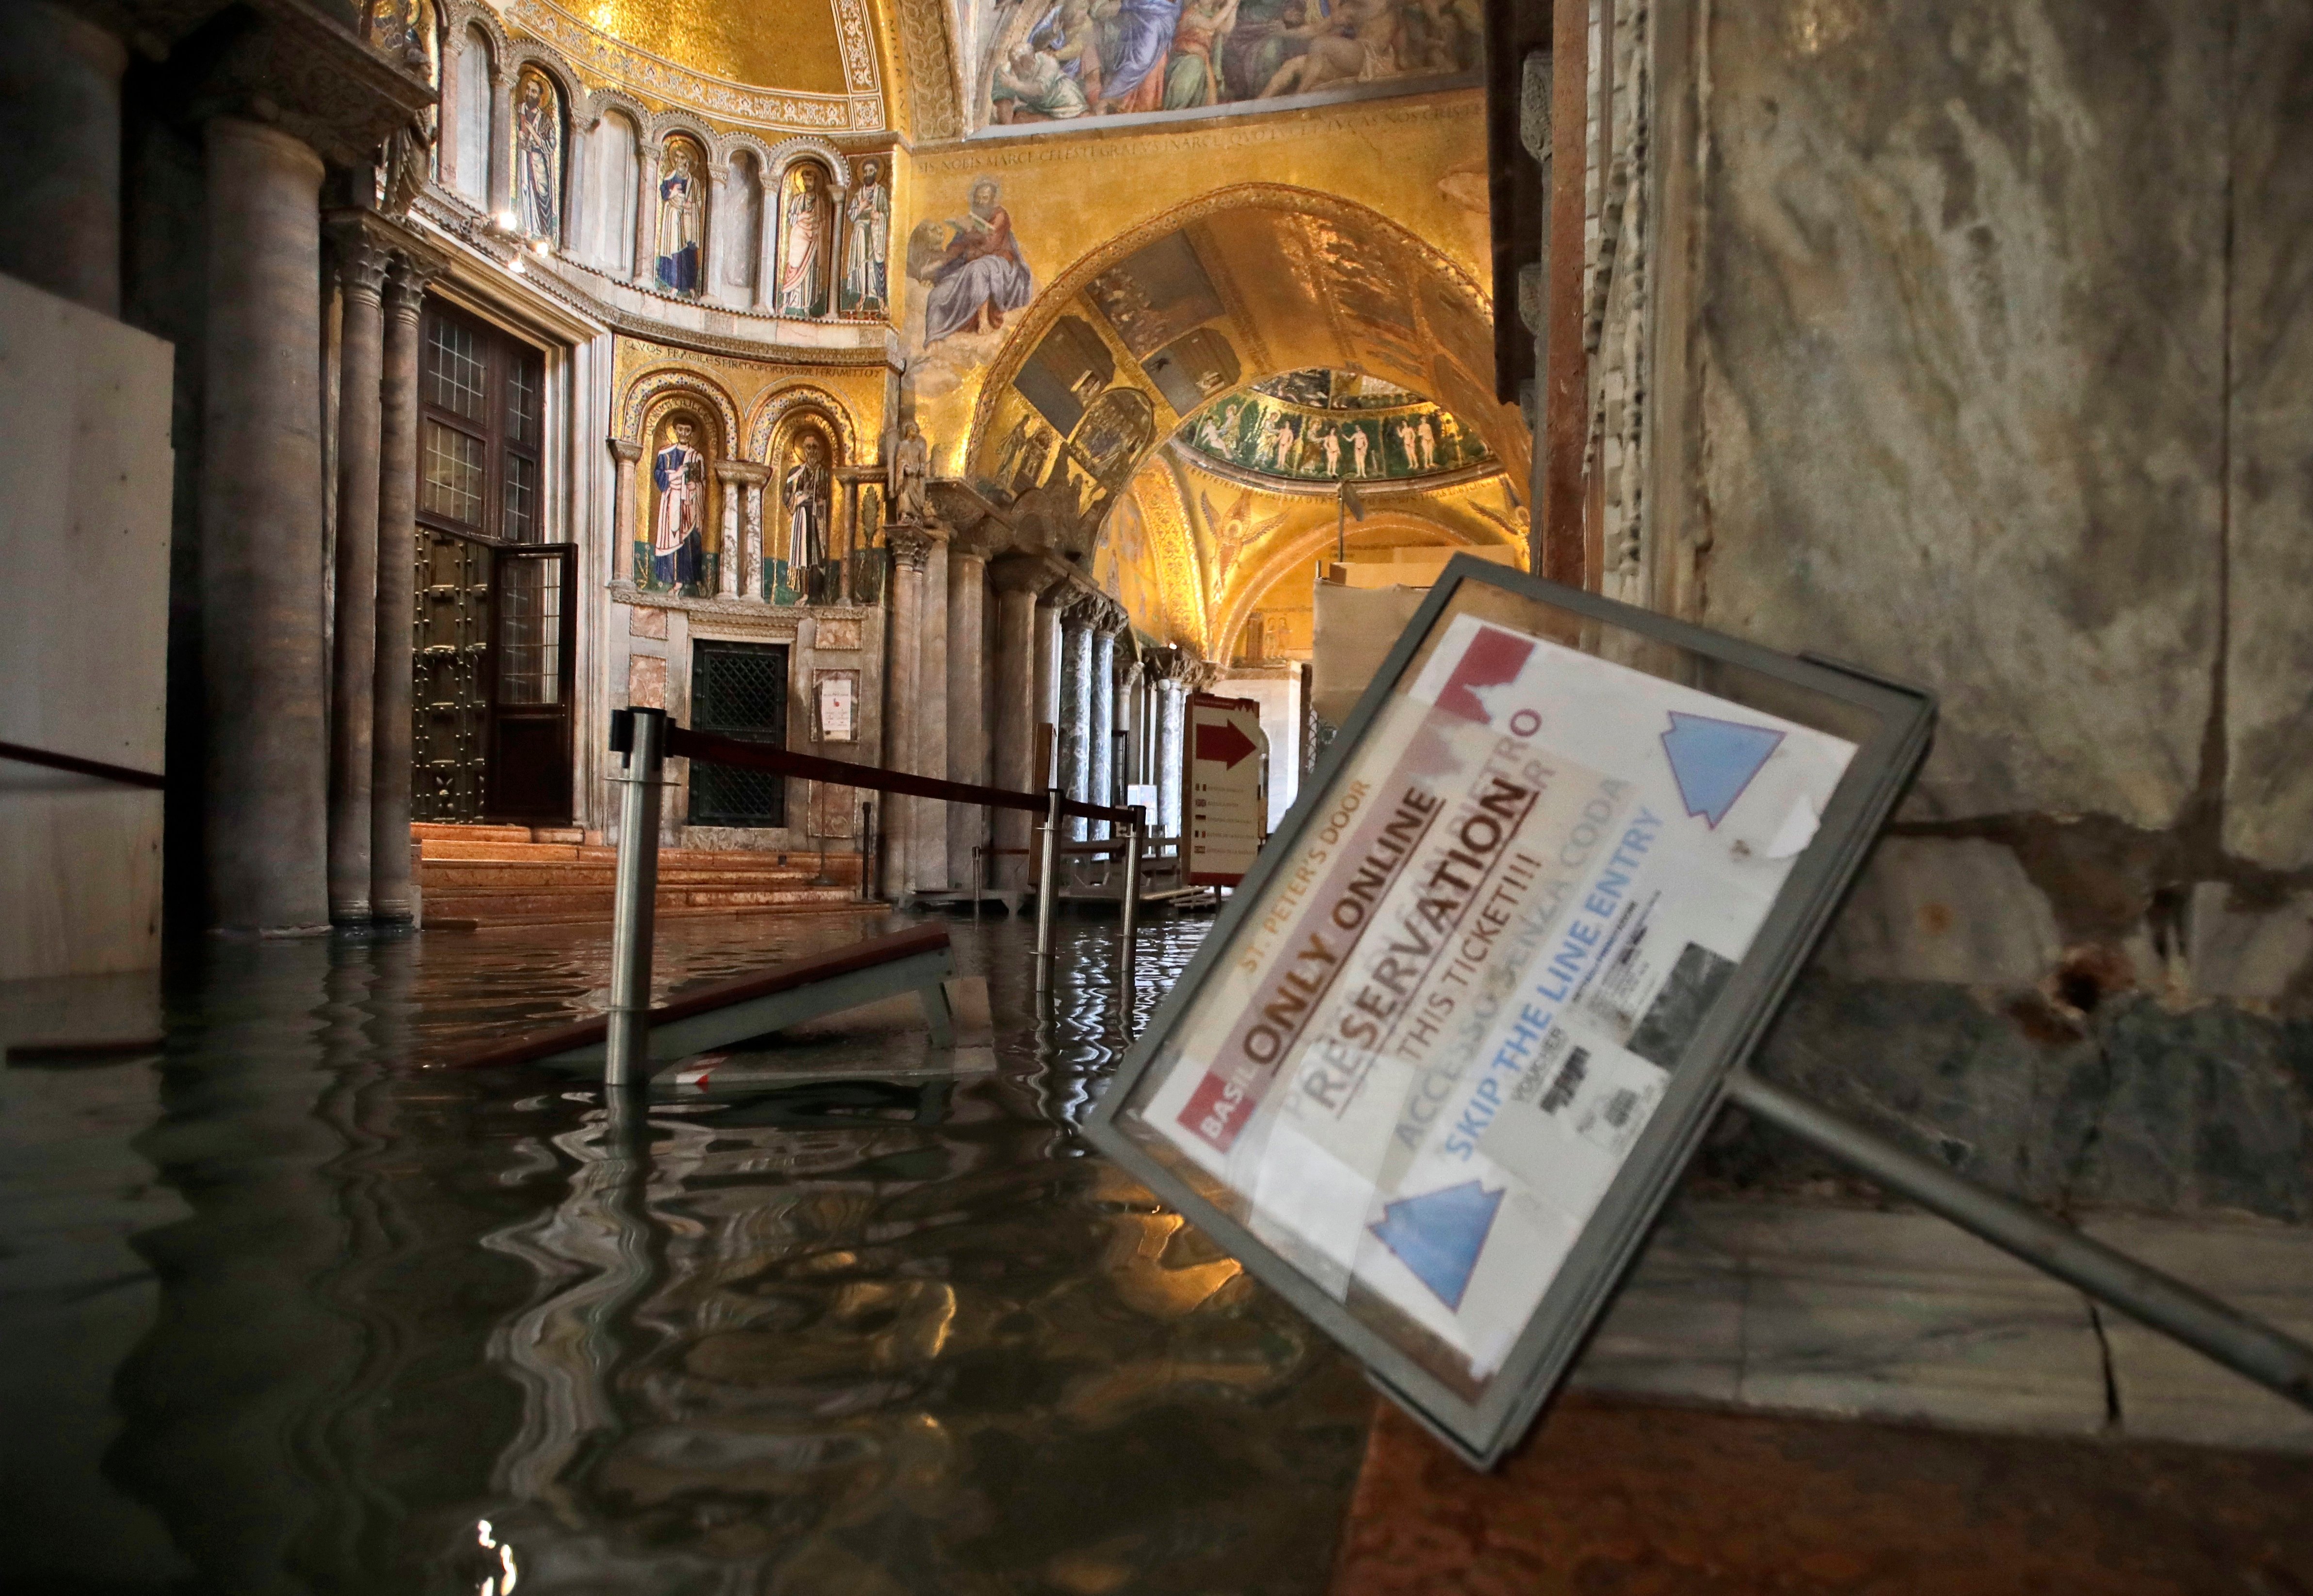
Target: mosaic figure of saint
(806, 490)
(803, 244)
(538, 151)
(679, 207)
(867, 242)
(679, 471)
(974, 266)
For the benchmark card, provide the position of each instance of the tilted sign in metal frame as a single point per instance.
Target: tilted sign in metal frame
(1443, 1057)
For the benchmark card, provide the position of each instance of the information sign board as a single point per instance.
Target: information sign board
(1436, 1068)
(1226, 758)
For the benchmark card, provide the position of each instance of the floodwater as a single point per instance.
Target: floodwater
(281, 1310)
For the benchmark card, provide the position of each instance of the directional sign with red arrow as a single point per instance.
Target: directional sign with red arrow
(1226, 788)
(1224, 742)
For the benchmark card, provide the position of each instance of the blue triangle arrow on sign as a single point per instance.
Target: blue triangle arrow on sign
(1714, 759)
(1439, 1234)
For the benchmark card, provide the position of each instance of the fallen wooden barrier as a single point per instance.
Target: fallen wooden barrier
(919, 960)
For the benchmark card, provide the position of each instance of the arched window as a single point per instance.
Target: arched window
(538, 146)
(742, 226)
(613, 169)
(472, 129)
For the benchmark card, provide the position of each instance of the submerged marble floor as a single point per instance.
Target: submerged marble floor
(289, 1311)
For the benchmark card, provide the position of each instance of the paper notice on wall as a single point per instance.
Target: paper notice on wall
(1460, 1002)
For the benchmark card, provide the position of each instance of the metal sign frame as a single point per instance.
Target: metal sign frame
(1235, 706)
(1480, 1428)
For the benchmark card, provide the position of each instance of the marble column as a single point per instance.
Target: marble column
(392, 751)
(927, 850)
(1047, 689)
(967, 700)
(911, 549)
(623, 456)
(1131, 721)
(727, 552)
(1174, 714)
(1100, 721)
(1019, 580)
(361, 263)
(753, 585)
(60, 153)
(1076, 706)
(260, 555)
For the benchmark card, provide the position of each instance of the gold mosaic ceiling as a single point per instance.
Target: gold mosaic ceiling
(778, 44)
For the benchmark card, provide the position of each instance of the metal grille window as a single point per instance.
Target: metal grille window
(451, 484)
(530, 632)
(521, 525)
(455, 371)
(740, 691)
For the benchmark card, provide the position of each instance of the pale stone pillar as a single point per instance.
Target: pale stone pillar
(260, 556)
(1076, 706)
(767, 234)
(967, 700)
(646, 160)
(928, 847)
(727, 553)
(1049, 604)
(1100, 722)
(397, 592)
(60, 153)
(501, 133)
(361, 264)
(911, 549)
(1019, 580)
(1173, 712)
(754, 586)
(622, 509)
(1132, 720)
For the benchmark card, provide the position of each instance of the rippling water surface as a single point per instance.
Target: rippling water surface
(295, 1312)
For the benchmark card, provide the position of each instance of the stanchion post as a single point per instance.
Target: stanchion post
(641, 736)
(1127, 960)
(1048, 889)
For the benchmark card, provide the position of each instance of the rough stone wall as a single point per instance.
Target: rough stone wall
(2001, 375)
(1615, 322)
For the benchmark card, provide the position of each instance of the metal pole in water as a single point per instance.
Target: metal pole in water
(2201, 1322)
(1126, 959)
(1048, 890)
(635, 898)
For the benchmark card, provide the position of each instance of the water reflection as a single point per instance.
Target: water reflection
(429, 1331)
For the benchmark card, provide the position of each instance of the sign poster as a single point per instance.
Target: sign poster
(838, 706)
(1227, 798)
(1457, 1004)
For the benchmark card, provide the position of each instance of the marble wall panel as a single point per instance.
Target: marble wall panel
(1962, 320)
(2269, 647)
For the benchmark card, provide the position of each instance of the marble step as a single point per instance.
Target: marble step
(840, 903)
(458, 874)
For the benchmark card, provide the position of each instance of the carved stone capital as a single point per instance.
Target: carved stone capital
(739, 472)
(1110, 620)
(911, 546)
(1025, 573)
(626, 449)
(361, 256)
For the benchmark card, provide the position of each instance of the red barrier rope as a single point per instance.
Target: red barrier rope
(682, 743)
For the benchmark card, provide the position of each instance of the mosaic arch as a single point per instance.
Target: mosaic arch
(1150, 330)
(1321, 426)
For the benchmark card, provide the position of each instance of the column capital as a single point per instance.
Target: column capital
(742, 472)
(911, 546)
(1110, 618)
(361, 256)
(625, 449)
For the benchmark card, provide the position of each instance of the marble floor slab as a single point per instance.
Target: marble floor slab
(1902, 1316)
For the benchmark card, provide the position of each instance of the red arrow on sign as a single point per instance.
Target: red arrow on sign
(1223, 744)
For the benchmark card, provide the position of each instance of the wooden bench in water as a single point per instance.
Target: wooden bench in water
(919, 960)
